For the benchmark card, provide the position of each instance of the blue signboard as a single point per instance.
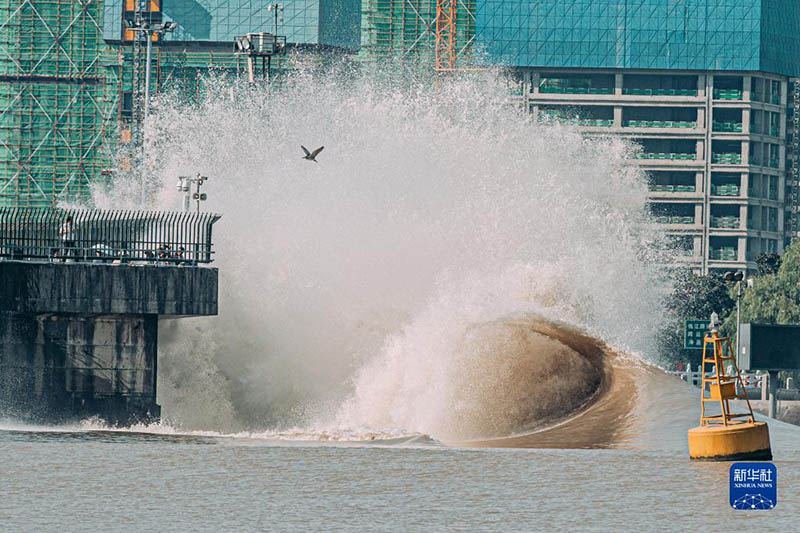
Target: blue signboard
(754, 486)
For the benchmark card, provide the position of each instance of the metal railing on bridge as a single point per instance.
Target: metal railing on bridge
(106, 236)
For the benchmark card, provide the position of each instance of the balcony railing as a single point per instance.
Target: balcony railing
(570, 89)
(660, 124)
(659, 92)
(726, 126)
(674, 219)
(668, 156)
(723, 254)
(728, 94)
(727, 222)
(596, 122)
(182, 238)
(654, 187)
(725, 190)
(726, 158)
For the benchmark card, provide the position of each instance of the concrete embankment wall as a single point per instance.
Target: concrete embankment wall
(28, 287)
(79, 340)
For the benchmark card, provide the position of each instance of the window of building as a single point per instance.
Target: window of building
(773, 155)
(666, 181)
(727, 120)
(728, 87)
(774, 124)
(773, 187)
(682, 245)
(672, 213)
(753, 248)
(657, 84)
(723, 248)
(676, 149)
(726, 152)
(756, 89)
(752, 217)
(725, 184)
(659, 117)
(775, 92)
(725, 216)
(562, 83)
(754, 185)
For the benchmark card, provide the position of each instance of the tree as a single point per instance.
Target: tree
(693, 296)
(773, 298)
(768, 263)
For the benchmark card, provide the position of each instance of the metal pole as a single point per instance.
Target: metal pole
(251, 74)
(773, 393)
(146, 109)
(148, 35)
(738, 320)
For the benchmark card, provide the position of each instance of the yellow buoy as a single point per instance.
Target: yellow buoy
(725, 435)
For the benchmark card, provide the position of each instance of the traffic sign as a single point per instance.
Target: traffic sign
(693, 333)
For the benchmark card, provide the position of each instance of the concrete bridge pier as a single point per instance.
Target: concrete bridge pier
(80, 340)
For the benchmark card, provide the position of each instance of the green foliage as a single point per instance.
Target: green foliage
(773, 298)
(693, 296)
(768, 263)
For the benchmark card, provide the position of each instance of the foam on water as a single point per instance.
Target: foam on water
(351, 289)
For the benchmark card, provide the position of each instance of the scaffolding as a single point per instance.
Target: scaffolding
(438, 32)
(175, 65)
(56, 108)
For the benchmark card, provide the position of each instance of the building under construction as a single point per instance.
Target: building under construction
(57, 109)
(438, 32)
(72, 76)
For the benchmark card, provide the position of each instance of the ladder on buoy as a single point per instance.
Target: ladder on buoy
(722, 386)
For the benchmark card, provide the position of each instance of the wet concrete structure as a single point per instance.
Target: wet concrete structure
(80, 339)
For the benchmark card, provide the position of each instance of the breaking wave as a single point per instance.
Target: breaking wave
(420, 279)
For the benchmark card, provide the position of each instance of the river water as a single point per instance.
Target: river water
(86, 477)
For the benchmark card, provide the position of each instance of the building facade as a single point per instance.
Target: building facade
(702, 85)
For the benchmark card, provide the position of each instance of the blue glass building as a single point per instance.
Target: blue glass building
(722, 35)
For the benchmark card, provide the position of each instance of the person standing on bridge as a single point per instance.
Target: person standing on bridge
(67, 232)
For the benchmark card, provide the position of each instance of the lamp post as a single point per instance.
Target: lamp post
(140, 25)
(737, 277)
(276, 8)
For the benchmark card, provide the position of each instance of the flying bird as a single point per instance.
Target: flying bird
(311, 156)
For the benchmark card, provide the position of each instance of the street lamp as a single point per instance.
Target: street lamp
(737, 277)
(140, 25)
(277, 8)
